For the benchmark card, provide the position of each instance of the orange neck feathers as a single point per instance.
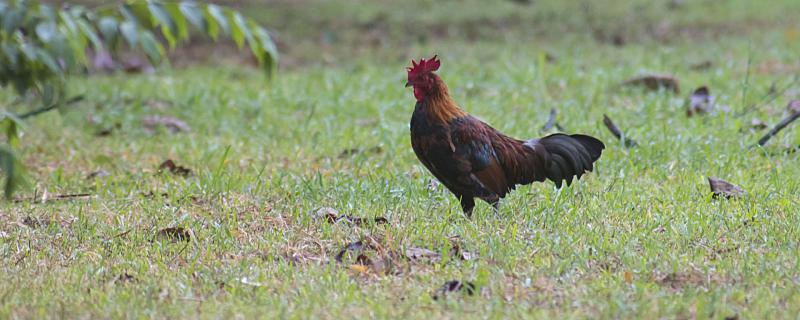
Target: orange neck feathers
(440, 107)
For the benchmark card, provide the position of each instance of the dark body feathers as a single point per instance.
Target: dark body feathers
(473, 160)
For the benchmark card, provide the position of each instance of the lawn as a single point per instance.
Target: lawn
(286, 174)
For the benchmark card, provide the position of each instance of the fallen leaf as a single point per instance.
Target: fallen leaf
(700, 102)
(125, 277)
(173, 125)
(628, 277)
(175, 234)
(416, 254)
(353, 246)
(332, 216)
(723, 188)
(170, 166)
(654, 82)
(359, 268)
(99, 174)
(660, 229)
(327, 213)
(457, 251)
(32, 222)
(454, 286)
(354, 151)
(704, 65)
(618, 133)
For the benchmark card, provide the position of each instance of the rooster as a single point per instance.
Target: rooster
(472, 159)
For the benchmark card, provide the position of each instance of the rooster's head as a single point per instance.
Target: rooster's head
(421, 76)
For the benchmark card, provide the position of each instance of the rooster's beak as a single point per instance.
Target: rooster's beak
(408, 84)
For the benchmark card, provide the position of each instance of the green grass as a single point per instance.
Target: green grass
(640, 237)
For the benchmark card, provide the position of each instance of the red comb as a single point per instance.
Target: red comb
(423, 66)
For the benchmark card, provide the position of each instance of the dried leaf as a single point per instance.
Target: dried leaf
(703, 65)
(456, 250)
(353, 246)
(628, 143)
(151, 123)
(125, 277)
(416, 254)
(700, 102)
(628, 277)
(354, 151)
(170, 166)
(359, 268)
(332, 216)
(99, 174)
(659, 229)
(723, 188)
(454, 286)
(654, 82)
(32, 222)
(175, 234)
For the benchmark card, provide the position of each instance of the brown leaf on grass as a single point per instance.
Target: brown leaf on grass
(659, 229)
(725, 189)
(683, 279)
(700, 66)
(353, 246)
(457, 251)
(454, 286)
(32, 222)
(125, 277)
(173, 125)
(332, 216)
(99, 174)
(628, 143)
(700, 102)
(654, 82)
(418, 254)
(173, 168)
(355, 151)
(174, 234)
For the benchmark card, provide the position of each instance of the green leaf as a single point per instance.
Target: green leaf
(160, 17)
(89, 33)
(109, 28)
(12, 19)
(152, 48)
(218, 15)
(8, 164)
(47, 60)
(179, 20)
(129, 32)
(213, 26)
(12, 54)
(46, 31)
(237, 30)
(194, 15)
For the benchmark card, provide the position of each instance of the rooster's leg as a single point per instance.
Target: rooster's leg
(467, 204)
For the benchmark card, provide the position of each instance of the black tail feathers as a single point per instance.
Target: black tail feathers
(570, 156)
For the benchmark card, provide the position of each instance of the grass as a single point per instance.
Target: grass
(641, 237)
